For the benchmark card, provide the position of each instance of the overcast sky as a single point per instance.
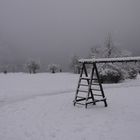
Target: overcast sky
(54, 30)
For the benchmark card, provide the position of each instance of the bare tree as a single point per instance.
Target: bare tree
(109, 46)
(96, 52)
(75, 64)
(32, 66)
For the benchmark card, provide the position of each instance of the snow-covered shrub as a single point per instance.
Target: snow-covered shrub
(117, 71)
(132, 73)
(109, 73)
(5, 71)
(129, 70)
(53, 68)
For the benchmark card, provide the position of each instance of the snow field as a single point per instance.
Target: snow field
(45, 111)
(22, 86)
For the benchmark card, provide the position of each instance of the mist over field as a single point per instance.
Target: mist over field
(53, 31)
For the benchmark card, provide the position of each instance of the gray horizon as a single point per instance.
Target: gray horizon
(53, 31)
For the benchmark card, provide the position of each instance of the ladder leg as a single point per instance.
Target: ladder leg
(86, 74)
(98, 78)
(81, 73)
(92, 95)
(89, 87)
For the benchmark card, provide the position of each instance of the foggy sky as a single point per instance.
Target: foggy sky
(52, 31)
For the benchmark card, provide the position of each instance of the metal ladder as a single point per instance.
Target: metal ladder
(92, 81)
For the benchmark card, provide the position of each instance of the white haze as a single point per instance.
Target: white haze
(52, 31)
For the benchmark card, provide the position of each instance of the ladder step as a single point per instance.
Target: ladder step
(90, 102)
(96, 84)
(96, 95)
(78, 100)
(95, 89)
(95, 79)
(81, 97)
(83, 85)
(80, 103)
(87, 78)
(83, 91)
(87, 91)
(96, 101)
(103, 99)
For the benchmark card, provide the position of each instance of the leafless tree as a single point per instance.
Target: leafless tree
(75, 64)
(32, 66)
(53, 68)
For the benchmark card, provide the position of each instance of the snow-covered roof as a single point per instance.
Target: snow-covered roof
(110, 60)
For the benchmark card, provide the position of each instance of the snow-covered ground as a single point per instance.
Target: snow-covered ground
(39, 107)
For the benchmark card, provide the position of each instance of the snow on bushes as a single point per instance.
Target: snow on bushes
(129, 70)
(109, 73)
(53, 68)
(113, 73)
